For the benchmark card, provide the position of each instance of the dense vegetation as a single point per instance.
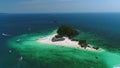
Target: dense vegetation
(67, 31)
(70, 32)
(83, 43)
(58, 36)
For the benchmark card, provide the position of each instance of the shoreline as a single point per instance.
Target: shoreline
(67, 43)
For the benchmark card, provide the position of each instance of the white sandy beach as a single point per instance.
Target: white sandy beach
(67, 42)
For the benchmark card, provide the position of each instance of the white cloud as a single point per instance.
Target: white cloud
(68, 6)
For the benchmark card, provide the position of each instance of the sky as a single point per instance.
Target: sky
(58, 6)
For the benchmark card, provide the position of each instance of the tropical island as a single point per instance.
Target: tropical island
(64, 37)
(60, 46)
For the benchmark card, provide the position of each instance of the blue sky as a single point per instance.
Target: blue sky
(58, 6)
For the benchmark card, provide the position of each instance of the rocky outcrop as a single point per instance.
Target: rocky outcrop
(54, 39)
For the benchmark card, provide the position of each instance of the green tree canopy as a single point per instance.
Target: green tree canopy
(68, 31)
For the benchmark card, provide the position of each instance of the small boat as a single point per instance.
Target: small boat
(18, 40)
(5, 34)
(21, 58)
(10, 51)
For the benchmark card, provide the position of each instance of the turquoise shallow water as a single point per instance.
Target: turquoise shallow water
(100, 29)
(38, 55)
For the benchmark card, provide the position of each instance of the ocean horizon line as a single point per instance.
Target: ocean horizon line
(66, 13)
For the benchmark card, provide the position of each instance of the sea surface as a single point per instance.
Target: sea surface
(99, 29)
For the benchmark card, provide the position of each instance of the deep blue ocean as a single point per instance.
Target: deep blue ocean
(106, 25)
